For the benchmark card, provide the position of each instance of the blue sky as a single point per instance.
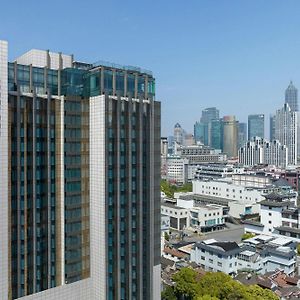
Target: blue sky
(236, 55)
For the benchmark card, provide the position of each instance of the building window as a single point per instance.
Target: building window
(219, 264)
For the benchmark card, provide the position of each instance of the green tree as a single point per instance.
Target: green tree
(207, 297)
(247, 235)
(257, 293)
(168, 294)
(186, 284)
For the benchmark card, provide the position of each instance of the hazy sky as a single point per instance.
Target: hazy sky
(236, 55)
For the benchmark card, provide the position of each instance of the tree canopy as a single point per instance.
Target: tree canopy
(170, 189)
(212, 286)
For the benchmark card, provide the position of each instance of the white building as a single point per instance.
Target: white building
(264, 254)
(279, 217)
(190, 215)
(226, 189)
(261, 151)
(261, 254)
(216, 256)
(286, 127)
(217, 170)
(175, 169)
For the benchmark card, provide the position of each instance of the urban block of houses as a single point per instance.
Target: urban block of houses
(279, 216)
(260, 254)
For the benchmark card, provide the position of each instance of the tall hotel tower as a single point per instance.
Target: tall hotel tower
(79, 179)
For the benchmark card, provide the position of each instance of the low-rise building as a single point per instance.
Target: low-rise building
(279, 216)
(260, 254)
(188, 214)
(215, 256)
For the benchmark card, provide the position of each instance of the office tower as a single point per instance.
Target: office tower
(272, 127)
(286, 131)
(164, 146)
(242, 134)
(256, 126)
(80, 179)
(291, 97)
(216, 134)
(230, 135)
(178, 134)
(200, 133)
(261, 151)
(208, 114)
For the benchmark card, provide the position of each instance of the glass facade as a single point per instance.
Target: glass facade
(33, 194)
(49, 163)
(256, 126)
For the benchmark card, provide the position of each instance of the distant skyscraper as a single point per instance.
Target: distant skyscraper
(79, 179)
(256, 126)
(230, 135)
(286, 131)
(291, 97)
(201, 132)
(208, 114)
(272, 127)
(178, 134)
(216, 134)
(242, 134)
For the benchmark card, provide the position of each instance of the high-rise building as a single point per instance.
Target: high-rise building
(256, 126)
(230, 136)
(291, 97)
(242, 134)
(208, 114)
(178, 134)
(286, 131)
(216, 134)
(201, 133)
(261, 151)
(80, 179)
(272, 127)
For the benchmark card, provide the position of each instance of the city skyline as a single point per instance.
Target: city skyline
(227, 55)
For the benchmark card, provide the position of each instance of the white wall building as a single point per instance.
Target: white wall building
(286, 131)
(216, 256)
(175, 169)
(262, 151)
(226, 189)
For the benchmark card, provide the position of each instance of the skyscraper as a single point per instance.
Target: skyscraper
(242, 134)
(178, 134)
(291, 97)
(200, 132)
(256, 126)
(80, 179)
(216, 134)
(208, 114)
(286, 131)
(230, 135)
(272, 127)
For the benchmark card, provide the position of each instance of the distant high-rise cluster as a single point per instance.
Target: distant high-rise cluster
(229, 135)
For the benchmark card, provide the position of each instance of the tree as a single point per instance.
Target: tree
(247, 235)
(215, 286)
(207, 297)
(168, 294)
(298, 249)
(186, 283)
(257, 293)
